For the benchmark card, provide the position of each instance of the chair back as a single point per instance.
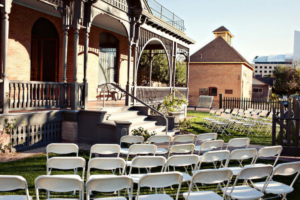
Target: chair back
(10, 183)
(62, 148)
(238, 142)
(206, 137)
(160, 180)
(159, 139)
(254, 172)
(59, 183)
(182, 160)
(130, 139)
(109, 184)
(188, 138)
(142, 149)
(106, 164)
(215, 156)
(105, 149)
(243, 154)
(209, 145)
(182, 148)
(287, 169)
(269, 151)
(66, 163)
(147, 162)
(212, 176)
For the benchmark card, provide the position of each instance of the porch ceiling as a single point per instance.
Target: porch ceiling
(37, 5)
(109, 23)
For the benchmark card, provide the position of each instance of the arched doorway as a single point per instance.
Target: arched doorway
(44, 51)
(108, 59)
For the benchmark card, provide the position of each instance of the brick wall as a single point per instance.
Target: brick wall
(221, 76)
(22, 20)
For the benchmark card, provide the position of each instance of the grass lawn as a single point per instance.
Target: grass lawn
(197, 128)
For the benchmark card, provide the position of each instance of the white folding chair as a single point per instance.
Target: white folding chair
(105, 149)
(105, 164)
(183, 161)
(129, 139)
(66, 163)
(10, 183)
(275, 187)
(62, 148)
(160, 139)
(240, 155)
(245, 192)
(146, 162)
(214, 157)
(268, 152)
(210, 176)
(209, 145)
(238, 143)
(188, 138)
(109, 184)
(60, 184)
(203, 138)
(159, 180)
(182, 149)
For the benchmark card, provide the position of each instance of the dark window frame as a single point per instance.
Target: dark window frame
(213, 91)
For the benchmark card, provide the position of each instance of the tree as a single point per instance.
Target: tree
(180, 76)
(287, 80)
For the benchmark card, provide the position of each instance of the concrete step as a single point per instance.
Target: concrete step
(144, 124)
(123, 116)
(158, 129)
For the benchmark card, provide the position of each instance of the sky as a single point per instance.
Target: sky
(260, 27)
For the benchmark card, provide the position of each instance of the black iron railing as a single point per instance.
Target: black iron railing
(163, 13)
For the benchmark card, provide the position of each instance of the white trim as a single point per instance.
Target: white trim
(34, 8)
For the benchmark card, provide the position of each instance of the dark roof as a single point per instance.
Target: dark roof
(268, 81)
(221, 29)
(218, 51)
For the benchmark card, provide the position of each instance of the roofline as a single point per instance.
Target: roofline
(225, 32)
(247, 64)
(261, 82)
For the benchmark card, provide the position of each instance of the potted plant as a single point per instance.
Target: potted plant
(184, 125)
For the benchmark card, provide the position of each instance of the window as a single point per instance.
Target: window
(228, 91)
(255, 67)
(270, 72)
(270, 67)
(260, 71)
(213, 91)
(266, 67)
(260, 67)
(257, 90)
(255, 71)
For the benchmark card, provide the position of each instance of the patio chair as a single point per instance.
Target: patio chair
(10, 183)
(274, 187)
(62, 148)
(105, 164)
(268, 152)
(66, 163)
(109, 184)
(240, 155)
(105, 149)
(184, 161)
(238, 143)
(245, 192)
(214, 157)
(205, 102)
(182, 149)
(60, 184)
(130, 139)
(160, 139)
(210, 176)
(203, 137)
(188, 138)
(146, 162)
(159, 180)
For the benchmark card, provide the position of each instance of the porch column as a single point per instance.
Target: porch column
(85, 65)
(75, 88)
(174, 63)
(187, 75)
(65, 52)
(151, 58)
(128, 99)
(6, 9)
(135, 69)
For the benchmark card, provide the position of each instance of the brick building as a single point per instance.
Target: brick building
(218, 68)
(262, 87)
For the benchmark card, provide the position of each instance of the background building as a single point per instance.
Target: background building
(265, 65)
(262, 87)
(218, 68)
(297, 48)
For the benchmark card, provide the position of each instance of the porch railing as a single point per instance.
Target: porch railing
(183, 91)
(26, 95)
(152, 94)
(120, 4)
(58, 3)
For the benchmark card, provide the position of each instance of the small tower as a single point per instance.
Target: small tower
(224, 33)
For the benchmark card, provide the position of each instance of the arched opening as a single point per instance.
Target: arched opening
(108, 59)
(44, 51)
(181, 71)
(154, 68)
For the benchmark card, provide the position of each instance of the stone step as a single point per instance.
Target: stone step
(144, 124)
(123, 116)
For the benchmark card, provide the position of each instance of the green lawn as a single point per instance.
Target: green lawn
(197, 128)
